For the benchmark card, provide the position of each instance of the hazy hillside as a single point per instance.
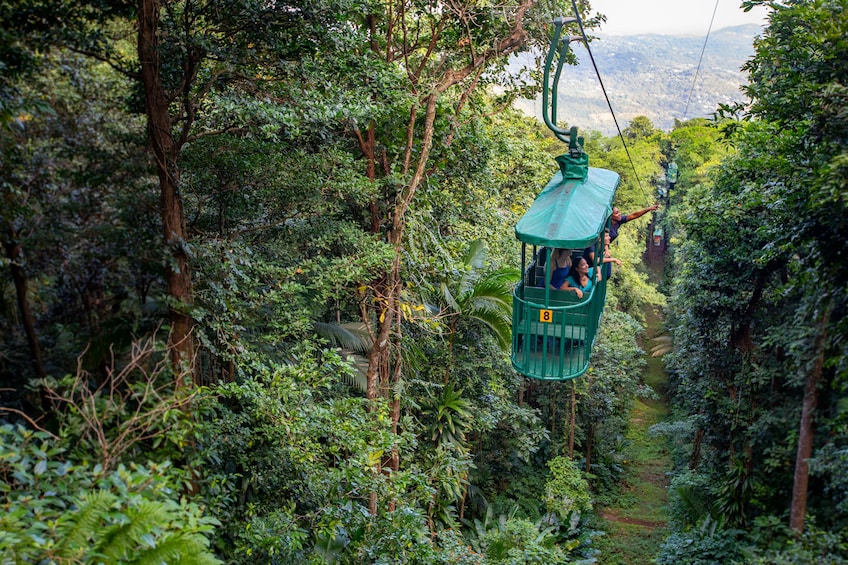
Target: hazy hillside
(652, 75)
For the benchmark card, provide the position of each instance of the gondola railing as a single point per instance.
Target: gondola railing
(553, 332)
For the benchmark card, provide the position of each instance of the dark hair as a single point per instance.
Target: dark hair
(577, 274)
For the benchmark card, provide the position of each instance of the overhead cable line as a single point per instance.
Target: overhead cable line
(609, 104)
(700, 60)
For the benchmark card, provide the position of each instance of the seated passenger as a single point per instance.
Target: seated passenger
(560, 267)
(608, 258)
(589, 254)
(580, 279)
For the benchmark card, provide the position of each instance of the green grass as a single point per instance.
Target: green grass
(628, 544)
(635, 521)
(655, 376)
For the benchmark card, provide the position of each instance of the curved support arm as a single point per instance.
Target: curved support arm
(549, 93)
(563, 53)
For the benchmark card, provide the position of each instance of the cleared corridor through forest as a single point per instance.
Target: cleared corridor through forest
(634, 519)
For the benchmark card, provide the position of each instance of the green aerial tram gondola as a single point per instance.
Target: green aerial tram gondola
(553, 331)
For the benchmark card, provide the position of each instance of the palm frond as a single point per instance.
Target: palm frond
(354, 342)
(479, 295)
(412, 356)
(475, 255)
(432, 309)
(359, 378)
(472, 266)
(353, 336)
(492, 290)
(507, 275)
(492, 303)
(497, 322)
(448, 297)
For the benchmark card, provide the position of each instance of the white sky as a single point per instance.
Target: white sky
(672, 17)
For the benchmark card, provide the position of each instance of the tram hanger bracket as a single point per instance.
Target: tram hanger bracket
(561, 21)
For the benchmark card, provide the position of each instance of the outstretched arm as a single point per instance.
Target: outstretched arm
(640, 213)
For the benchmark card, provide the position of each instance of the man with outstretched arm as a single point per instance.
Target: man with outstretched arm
(618, 218)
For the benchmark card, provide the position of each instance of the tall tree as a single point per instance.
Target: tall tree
(444, 51)
(189, 56)
(806, 99)
(157, 103)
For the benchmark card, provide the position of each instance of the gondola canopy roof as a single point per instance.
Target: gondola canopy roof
(570, 212)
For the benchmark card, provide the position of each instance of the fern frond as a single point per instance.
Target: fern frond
(85, 522)
(185, 549)
(120, 540)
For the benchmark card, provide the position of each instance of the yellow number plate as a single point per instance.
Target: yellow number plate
(546, 316)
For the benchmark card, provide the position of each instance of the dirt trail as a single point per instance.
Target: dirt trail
(610, 517)
(635, 522)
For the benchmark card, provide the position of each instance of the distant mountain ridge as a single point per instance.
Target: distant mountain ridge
(652, 75)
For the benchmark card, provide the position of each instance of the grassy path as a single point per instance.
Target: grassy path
(635, 523)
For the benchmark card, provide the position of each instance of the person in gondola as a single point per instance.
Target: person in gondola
(581, 278)
(608, 258)
(616, 219)
(560, 267)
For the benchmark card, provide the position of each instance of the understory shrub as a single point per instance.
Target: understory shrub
(58, 511)
(773, 543)
(705, 544)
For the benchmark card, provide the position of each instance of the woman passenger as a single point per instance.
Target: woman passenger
(580, 279)
(608, 258)
(560, 267)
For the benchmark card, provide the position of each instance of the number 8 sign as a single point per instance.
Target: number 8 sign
(546, 316)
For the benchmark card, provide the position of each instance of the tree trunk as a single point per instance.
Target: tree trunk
(521, 388)
(14, 253)
(798, 509)
(389, 288)
(398, 375)
(571, 422)
(171, 204)
(553, 414)
(695, 458)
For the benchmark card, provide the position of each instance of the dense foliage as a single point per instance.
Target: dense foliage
(57, 510)
(758, 308)
(256, 286)
(256, 289)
